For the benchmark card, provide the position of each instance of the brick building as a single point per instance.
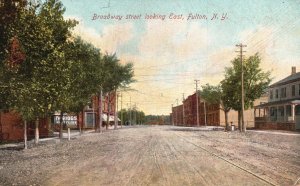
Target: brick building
(212, 112)
(89, 118)
(12, 127)
(11, 124)
(190, 110)
(177, 115)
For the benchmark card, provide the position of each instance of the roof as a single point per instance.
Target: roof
(290, 101)
(289, 79)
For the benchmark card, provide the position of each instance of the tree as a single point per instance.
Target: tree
(36, 85)
(256, 82)
(115, 76)
(217, 95)
(124, 114)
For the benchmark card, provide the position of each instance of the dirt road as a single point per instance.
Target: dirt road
(157, 156)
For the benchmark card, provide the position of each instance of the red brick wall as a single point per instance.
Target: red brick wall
(178, 115)
(190, 110)
(11, 127)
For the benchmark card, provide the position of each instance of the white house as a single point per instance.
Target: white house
(282, 111)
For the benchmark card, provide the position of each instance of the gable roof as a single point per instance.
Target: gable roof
(290, 79)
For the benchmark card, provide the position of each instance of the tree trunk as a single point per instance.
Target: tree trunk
(100, 111)
(25, 134)
(239, 120)
(108, 111)
(37, 135)
(243, 124)
(78, 123)
(226, 120)
(116, 110)
(82, 120)
(60, 124)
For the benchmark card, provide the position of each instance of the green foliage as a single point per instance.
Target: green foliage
(39, 82)
(125, 115)
(54, 71)
(86, 73)
(255, 82)
(116, 75)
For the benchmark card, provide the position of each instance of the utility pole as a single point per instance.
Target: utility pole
(204, 113)
(183, 109)
(243, 127)
(135, 113)
(121, 111)
(196, 82)
(116, 110)
(177, 119)
(130, 110)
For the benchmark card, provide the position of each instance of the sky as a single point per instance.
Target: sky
(174, 42)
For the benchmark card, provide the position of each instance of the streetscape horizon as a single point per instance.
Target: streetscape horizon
(171, 43)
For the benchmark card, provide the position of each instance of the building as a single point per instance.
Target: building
(209, 114)
(190, 110)
(177, 115)
(282, 111)
(89, 118)
(12, 127)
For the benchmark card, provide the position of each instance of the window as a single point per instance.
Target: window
(273, 113)
(280, 111)
(276, 92)
(293, 90)
(288, 110)
(283, 92)
(271, 94)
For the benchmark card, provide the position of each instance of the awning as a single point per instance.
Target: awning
(281, 102)
(111, 118)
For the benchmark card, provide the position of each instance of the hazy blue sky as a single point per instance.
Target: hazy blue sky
(168, 54)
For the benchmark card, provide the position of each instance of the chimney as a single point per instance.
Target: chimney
(293, 70)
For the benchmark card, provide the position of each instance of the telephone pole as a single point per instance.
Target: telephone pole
(183, 109)
(177, 120)
(135, 110)
(204, 105)
(130, 111)
(121, 111)
(196, 82)
(243, 127)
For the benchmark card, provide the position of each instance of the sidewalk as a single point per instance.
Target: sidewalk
(287, 133)
(73, 134)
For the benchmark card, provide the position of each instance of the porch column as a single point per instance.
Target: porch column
(284, 113)
(293, 112)
(269, 114)
(277, 109)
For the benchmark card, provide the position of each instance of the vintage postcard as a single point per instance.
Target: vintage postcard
(149, 92)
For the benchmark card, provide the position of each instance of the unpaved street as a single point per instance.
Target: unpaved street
(157, 155)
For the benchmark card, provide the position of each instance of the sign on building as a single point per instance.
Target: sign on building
(67, 119)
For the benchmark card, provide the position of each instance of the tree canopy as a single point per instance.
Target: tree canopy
(256, 82)
(44, 68)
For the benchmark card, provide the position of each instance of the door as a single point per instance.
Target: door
(90, 119)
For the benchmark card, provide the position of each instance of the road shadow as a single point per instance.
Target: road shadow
(184, 129)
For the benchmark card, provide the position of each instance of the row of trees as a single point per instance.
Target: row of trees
(44, 68)
(131, 116)
(228, 93)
